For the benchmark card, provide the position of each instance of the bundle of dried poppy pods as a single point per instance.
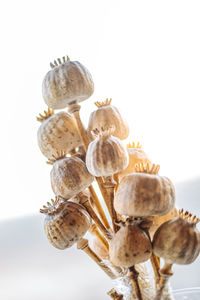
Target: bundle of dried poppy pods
(141, 222)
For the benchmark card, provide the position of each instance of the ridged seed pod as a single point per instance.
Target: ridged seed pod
(58, 132)
(106, 155)
(136, 156)
(105, 116)
(142, 195)
(68, 81)
(65, 224)
(69, 176)
(178, 240)
(130, 246)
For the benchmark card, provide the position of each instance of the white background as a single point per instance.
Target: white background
(143, 54)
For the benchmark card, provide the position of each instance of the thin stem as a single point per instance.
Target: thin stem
(94, 231)
(155, 261)
(83, 245)
(86, 203)
(98, 207)
(156, 267)
(133, 275)
(165, 274)
(110, 185)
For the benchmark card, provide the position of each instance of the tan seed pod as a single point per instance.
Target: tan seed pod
(106, 155)
(178, 240)
(69, 176)
(143, 195)
(65, 224)
(136, 156)
(68, 81)
(129, 246)
(157, 221)
(105, 116)
(58, 133)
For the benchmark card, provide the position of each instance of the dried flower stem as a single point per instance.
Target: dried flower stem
(110, 184)
(83, 245)
(156, 267)
(98, 207)
(155, 261)
(165, 274)
(94, 231)
(86, 203)
(133, 276)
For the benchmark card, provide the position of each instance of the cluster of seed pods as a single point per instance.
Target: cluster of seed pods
(145, 224)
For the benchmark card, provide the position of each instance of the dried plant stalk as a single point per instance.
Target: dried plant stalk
(83, 245)
(86, 203)
(110, 184)
(94, 231)
(98, 207)
(133, 275)
(165, 273)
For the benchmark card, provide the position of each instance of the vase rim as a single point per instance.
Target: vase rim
(186, 290)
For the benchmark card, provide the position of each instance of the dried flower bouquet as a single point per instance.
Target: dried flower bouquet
(145, 224)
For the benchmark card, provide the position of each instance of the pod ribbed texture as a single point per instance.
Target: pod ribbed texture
(58, 133)
(66, 83)
(130, 246)
(177, 241)
(68, 226)
(69, 176)
(143, 195)
(106, 157)
(106, 116)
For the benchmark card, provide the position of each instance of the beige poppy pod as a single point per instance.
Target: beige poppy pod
(178, 240)
(106, 155)
(69, 176)
(58, 132)
(157, 221)
(129, 246)
(108, 115)
(68, 81)
(100, 249)
(65, 224)
(136, 156)
(144, 194)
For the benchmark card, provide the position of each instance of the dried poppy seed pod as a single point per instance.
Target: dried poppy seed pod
(143, 195)
(58, 132)
(157, 221)
(129, 246)
(65, 224)
(105, 116)
(68, 81)
(69, 176)
(178, 240)
(136, 156)
(106, 155)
